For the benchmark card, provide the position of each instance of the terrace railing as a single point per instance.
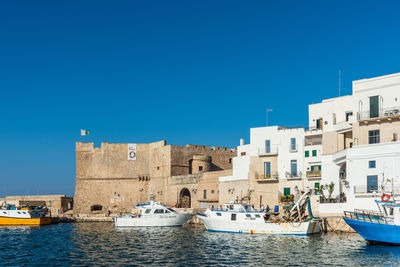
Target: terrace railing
(386, 112)
(313, 174)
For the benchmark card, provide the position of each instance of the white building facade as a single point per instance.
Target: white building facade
(360, 144)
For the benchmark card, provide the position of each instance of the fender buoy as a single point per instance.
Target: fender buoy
(385, 197)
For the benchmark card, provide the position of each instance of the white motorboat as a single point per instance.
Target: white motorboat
(242, 218)
(153, 214)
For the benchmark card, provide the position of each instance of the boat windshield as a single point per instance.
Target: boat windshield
(171, 210)
(247, 207)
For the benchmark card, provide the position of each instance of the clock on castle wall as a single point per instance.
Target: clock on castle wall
(131, 151)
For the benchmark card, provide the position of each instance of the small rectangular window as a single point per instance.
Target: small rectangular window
(293, 144)
(248, 215)
(286, 191)
(307, 154)
(212, 191)
(204, 194)
(267, 169)
(348, 114)
(373, 137)
(233, 217)
(267, 146)
(293, 168)
(219, 214)
(372, 164)
(159, 211)
(314, 153)
(200, 168)
(319, 123)
(147, 211)
(257, 216)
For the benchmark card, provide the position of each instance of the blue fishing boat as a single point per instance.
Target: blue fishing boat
(381, 226)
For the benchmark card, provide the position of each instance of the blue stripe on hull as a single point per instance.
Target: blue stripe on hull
(376, 232)
(241, 232)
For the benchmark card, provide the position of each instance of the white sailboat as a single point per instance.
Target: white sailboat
(242, 218)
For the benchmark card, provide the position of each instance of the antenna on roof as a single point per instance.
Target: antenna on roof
(340, 72)
(268, 110)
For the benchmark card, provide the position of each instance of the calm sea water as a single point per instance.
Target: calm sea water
(102, 244)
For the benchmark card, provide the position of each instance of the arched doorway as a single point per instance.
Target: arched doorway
(184, 198)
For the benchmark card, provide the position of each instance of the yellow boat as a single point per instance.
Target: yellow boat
(23, 217)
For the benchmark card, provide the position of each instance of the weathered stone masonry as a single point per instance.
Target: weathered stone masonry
(107, 180)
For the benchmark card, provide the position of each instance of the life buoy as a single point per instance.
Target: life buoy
(385, 197)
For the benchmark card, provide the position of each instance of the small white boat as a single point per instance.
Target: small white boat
(242, 218)
(153, 214)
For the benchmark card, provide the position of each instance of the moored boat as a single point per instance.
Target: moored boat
(381, 226)
(242, 218)
(153, 214)
(10, 215)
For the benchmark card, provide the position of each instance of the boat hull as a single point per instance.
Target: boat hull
(161, 220)
(25, 221)
(251, 227)
(376, 232)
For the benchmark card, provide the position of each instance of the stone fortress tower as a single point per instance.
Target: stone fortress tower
(200, 164)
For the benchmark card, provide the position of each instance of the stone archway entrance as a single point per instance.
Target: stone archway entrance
(184, 198)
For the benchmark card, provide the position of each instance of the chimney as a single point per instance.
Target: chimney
(241, 141)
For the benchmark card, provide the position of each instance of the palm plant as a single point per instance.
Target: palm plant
(330, 187)
(320, 190)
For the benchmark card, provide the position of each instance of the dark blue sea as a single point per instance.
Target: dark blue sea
(83, 244)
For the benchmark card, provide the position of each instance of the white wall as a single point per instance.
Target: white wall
(330, 173)
(388, 87)
(285, 155)
(387, 158)
(260, 134)
(330, 109)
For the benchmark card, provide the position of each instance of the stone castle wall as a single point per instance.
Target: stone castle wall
(107, 180)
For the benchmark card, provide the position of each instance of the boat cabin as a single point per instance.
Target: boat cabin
(232, 206)
(153, 207)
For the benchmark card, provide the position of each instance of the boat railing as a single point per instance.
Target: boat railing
(366, 216)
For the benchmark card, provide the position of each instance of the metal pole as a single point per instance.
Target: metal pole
(268, 110)
(340, 72)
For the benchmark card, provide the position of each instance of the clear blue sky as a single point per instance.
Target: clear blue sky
(199, 72)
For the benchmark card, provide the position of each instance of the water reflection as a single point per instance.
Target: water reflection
(101, 243)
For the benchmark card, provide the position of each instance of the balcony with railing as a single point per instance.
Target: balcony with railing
(382, 113)
(272, 177)
(363, 189)
(314, 174)
(313, 140)
(313, 131)
(293, 175)
(268, 152)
